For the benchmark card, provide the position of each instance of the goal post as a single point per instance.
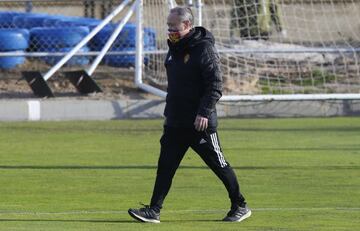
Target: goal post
(269, 49)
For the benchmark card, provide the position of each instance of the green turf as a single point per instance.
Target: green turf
(297, 174)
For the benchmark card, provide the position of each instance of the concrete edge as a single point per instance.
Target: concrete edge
(87, 109)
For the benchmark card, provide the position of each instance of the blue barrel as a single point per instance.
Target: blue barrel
(6, 18)
(29, 21)
(150, 35)
(8, 62)
(126, 38)
(123, 60)
(77, 21)
(53, 21)
(126, 41)
(57, 37)
(75, 61)
(14, 39)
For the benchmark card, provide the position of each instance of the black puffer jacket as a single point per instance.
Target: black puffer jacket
(194, 79)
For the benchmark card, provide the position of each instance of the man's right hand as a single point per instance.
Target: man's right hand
(201, 123)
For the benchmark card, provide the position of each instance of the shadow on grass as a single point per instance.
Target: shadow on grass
(129, 130)
(101, 221)
(153, 167)
(65, 220)
(191, 220)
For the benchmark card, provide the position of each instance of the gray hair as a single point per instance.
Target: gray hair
(185, 13)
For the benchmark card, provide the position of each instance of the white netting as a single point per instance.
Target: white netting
(274, 46)
(266, 46)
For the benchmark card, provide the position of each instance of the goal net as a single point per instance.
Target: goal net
(286, 48)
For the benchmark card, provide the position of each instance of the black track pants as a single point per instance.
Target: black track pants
(174, 144)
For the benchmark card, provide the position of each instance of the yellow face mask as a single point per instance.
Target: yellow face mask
(174, 36)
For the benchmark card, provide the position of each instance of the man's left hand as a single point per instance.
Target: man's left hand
(201, 123)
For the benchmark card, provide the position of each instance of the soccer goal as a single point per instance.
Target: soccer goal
(270, 49)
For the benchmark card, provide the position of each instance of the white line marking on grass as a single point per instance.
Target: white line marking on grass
(173, 211)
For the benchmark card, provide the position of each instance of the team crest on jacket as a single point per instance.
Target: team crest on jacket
(186, 58)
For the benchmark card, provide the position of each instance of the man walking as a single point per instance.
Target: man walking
(194, 87)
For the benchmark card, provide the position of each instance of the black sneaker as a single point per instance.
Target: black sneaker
(238, 214)
(146, 214)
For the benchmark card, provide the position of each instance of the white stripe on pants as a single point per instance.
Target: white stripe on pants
(215, 144)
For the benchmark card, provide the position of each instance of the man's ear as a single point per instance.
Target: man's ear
(187, 24)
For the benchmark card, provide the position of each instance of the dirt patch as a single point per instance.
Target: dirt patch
(116, 83)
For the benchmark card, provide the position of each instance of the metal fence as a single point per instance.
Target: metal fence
(40, 32)
(35, 35)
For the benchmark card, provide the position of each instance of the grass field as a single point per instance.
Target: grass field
(297, 174)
